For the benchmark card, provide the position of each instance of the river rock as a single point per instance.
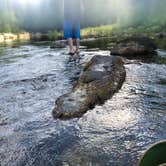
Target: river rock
(58, 44)
(2, 38)
(134, 46)
(161, 35)
(9, 37)
(101, 78)
(24, 36)
(39, 36)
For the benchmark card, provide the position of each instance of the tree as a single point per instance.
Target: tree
(8, 20)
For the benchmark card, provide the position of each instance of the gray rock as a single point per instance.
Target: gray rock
(101, 78)
(161, 35)
(58, 44)
(89, 76)
(134, 46)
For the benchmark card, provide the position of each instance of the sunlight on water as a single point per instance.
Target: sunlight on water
(109, 117)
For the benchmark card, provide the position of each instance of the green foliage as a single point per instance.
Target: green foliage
(161, 43)
(53, 35)
(143, 15)
(160, 60)
(8, 22)
(162, 81)
(100, 31)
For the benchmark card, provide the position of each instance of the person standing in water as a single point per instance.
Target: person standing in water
(72, 12)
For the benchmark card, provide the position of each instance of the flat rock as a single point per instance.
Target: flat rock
(101, 78)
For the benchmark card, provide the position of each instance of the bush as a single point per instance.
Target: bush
(53, 35)
(101, 31)
(8, 22)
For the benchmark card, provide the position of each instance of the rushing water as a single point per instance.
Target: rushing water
(32, 77)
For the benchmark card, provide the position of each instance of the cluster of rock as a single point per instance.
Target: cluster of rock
(100, 79)
(9, 37)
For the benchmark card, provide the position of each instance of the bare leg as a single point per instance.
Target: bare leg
(77, 45)
(71, 47)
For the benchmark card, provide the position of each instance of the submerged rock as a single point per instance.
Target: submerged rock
(100, 79)
(135, 46)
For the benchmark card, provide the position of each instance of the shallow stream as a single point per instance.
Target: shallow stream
(33, 76)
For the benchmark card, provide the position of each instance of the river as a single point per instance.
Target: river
(33, 76)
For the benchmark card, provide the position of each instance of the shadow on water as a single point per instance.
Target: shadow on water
(48, 151)
(116, 133)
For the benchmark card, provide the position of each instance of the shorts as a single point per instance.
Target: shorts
(71, 29)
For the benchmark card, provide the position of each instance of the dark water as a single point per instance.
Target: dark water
(32, 77)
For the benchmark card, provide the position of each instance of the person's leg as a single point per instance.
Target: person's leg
(76, 35)
(71, 46)
(77, 45)
(68, 36)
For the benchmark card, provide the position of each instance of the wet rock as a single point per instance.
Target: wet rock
(39, 36)
(58, 44)
(1, 38)
(161, 35)
(101, 78)
(24, 36)
(134, 46)
(89, 76)
(9, 37)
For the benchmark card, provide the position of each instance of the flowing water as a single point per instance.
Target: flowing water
(33, 76)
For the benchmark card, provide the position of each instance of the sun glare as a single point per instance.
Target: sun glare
(24, 2)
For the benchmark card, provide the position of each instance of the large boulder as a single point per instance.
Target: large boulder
(134, 46)
(101, 78)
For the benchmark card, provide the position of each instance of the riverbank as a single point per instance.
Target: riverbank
(113, 32)
(117, 34)
(10, 37)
